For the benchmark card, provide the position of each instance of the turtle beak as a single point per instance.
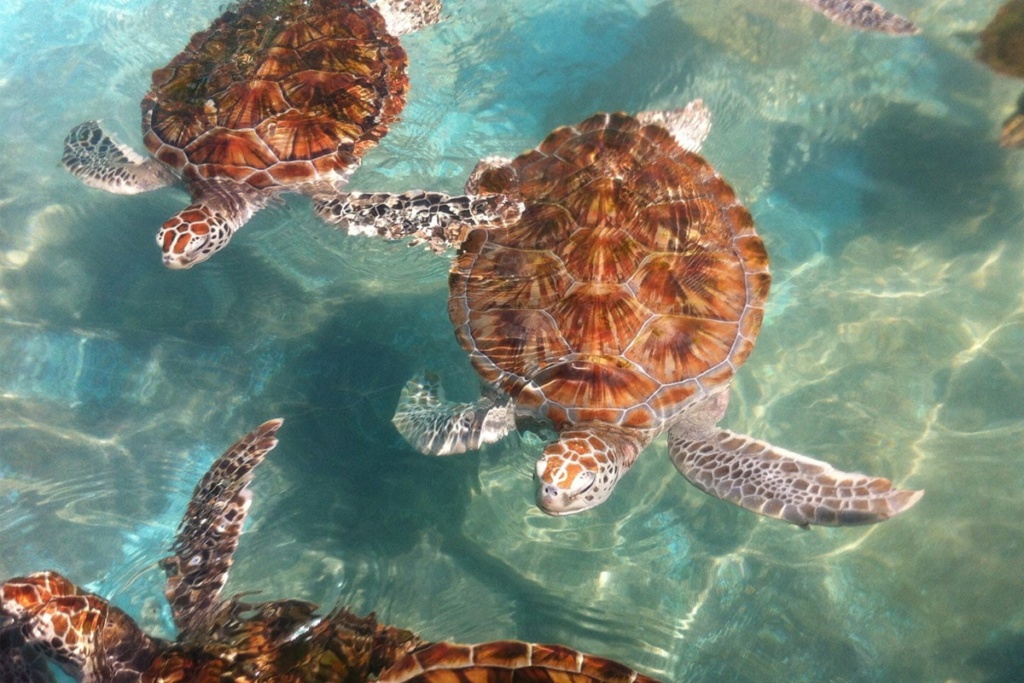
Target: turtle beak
(556, 501)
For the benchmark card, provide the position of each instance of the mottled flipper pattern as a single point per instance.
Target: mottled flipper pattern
(208, 536)
(101, 162)
(779, 483)
(440, 220)
(434, 426)
(406, 16)
(690, 126)
(88, 638)
(507, 660)
(863, 15)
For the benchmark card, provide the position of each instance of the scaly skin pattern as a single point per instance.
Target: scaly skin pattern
(275, 96)
(632, 284)
(45, 617)
(81, 632)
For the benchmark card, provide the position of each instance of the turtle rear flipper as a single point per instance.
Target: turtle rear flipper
(434, 426)
(440, 220)
(101, 162)
(864, 15)
(779, 483)
(208, 535)
(507, 660)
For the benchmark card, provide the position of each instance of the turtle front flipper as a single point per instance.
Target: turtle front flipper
(90, 639)
(863, 15)
(101, 162)
(779, 483)
(208, 536)
(507, 660)
(689, 126)
(440, 220)
(434, 426)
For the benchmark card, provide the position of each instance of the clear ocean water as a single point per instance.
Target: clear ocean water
(893, 344)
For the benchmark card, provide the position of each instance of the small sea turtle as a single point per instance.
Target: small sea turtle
(1002, 49)
(614, 286)
(863, 15)
(44, 617)
(276, 96)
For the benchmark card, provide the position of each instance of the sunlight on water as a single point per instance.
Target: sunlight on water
(893, 344)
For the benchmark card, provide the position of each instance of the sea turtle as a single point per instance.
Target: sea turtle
(612, 298)
(276, 96)
(44, 617)
(863, 15)
(1002, 49)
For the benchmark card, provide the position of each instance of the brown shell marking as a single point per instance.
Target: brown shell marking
(505, 661)
(633, 279)
(311, 85)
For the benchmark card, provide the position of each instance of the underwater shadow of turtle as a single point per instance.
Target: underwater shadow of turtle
(46, 618)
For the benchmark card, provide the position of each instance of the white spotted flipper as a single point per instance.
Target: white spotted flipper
(208, 535)
(406, 16)
(434, 426)
(440, 220)
(690, 126)
(864, 15)
(102, 163)
(779, 483)
(45, 615)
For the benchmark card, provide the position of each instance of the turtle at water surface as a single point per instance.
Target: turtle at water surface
(276, 96)
(863, 15)
(1002, 50)
(610, 294)
(44, 617)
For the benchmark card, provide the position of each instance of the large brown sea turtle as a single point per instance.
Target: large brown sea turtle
(276, 96)
(863, 15)
(612, 288)
(1002, 50)
(44, 617)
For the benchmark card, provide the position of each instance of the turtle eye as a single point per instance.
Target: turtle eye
(582, 483)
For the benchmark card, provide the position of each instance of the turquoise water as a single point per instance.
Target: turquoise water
(892, 344)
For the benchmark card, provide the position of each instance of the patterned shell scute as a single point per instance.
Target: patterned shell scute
(277, 93)
(633, 280)
(507, 661)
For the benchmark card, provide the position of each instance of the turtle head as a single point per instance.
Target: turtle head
(579, 471)
(193, 235)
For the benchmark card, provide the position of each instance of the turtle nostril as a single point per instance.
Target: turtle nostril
(550, 491)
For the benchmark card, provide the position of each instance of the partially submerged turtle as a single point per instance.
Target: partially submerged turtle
(276, 96)
(44, 617)
(612, 288)
(1002, 50)
(863, 15)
